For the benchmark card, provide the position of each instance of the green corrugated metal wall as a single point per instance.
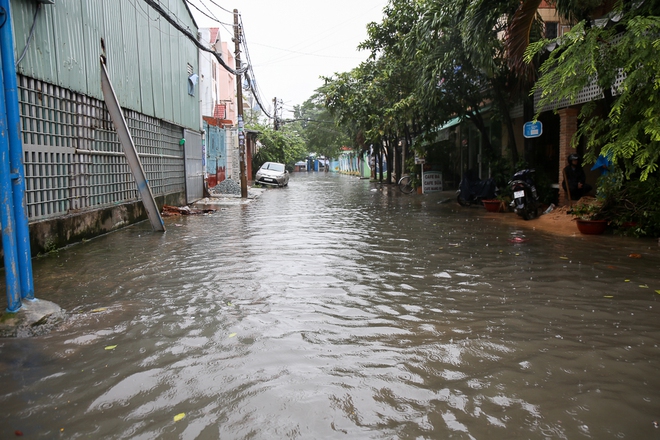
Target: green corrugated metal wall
(147, 58)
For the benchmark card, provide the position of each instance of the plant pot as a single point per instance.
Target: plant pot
(419, 190)
(591, 227)
(493, 205)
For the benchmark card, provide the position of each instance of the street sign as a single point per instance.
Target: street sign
(533, 129)
(431, 181)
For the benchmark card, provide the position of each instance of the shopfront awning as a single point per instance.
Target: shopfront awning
(450, 123)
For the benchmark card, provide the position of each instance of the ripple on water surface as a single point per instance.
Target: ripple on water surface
(339, 308)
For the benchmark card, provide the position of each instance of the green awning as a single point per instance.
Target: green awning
(450, 123)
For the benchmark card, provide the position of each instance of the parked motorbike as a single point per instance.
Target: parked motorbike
(525, 199)
(473, 190)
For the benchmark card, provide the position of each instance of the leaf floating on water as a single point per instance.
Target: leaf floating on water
(563, 258)
(100, 309)
(635, 255)
(658, 292)
(179, 417)
(110, 347)
(626, 281)
(609, 296)
(233, 335)
(644, 286)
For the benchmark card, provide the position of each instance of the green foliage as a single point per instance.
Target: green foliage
(627, 126)
(319, 128)
(632, 205)
(588, 210)
(284, 146)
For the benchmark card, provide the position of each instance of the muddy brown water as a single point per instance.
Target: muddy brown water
(337, 309)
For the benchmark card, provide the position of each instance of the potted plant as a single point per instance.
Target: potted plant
(493, 205)
(501, 202)
(589, 217)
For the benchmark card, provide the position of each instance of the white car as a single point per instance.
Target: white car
(273, 173)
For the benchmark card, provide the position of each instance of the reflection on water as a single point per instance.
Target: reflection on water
(339, 309)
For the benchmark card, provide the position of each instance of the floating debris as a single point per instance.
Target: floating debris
(171, 211)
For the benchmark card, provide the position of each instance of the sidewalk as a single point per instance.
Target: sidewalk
(229, 199)
(557, 222)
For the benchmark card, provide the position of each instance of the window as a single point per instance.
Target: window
(551, 29)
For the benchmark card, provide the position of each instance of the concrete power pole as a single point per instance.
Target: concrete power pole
(275, 124)
(239, 106)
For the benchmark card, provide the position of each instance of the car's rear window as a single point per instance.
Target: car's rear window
(273, 166)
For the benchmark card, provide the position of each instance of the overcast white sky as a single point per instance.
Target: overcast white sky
(294, 42)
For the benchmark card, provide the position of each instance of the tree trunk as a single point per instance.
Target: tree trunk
(380, 161)
(390, 160)
(398, 159)
(504, 110)
(478, 121)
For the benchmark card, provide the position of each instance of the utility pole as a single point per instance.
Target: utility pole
(239, 106)
(275, 124)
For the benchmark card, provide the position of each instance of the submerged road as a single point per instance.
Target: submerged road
(338, 309)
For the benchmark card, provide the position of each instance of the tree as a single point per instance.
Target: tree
(320, 131)
(284, 146)
(623, 58)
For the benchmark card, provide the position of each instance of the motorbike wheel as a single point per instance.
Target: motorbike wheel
(461, 201)
(530, 212)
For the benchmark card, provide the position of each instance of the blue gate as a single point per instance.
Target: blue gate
(216, 154)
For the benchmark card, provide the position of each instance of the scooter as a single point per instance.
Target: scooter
(525, 199)
(472, 190)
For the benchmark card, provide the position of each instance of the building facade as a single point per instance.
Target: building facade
(78, 183)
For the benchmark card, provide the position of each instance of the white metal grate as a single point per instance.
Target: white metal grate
(72, 157)
(591, 92)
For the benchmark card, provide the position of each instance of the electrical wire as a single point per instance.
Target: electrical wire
(211, 16)
(27, 43)
(252, 79)
(308, 120)
(226, 10)
(192, 38)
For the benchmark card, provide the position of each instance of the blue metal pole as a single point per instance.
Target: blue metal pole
(16, 155)
(7, 216)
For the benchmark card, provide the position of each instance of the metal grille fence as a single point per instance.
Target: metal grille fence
(73, 159)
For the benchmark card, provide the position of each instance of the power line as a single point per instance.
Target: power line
(211, 16)
(192, 38)
(251, 79)
(226, 10)
(308, 120)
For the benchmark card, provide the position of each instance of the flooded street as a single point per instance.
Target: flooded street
(334, 309)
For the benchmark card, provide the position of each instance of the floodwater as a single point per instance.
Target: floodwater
(337, 309)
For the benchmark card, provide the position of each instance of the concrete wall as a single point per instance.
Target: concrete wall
(52, 234)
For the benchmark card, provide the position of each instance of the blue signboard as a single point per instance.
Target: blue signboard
(533, 129)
